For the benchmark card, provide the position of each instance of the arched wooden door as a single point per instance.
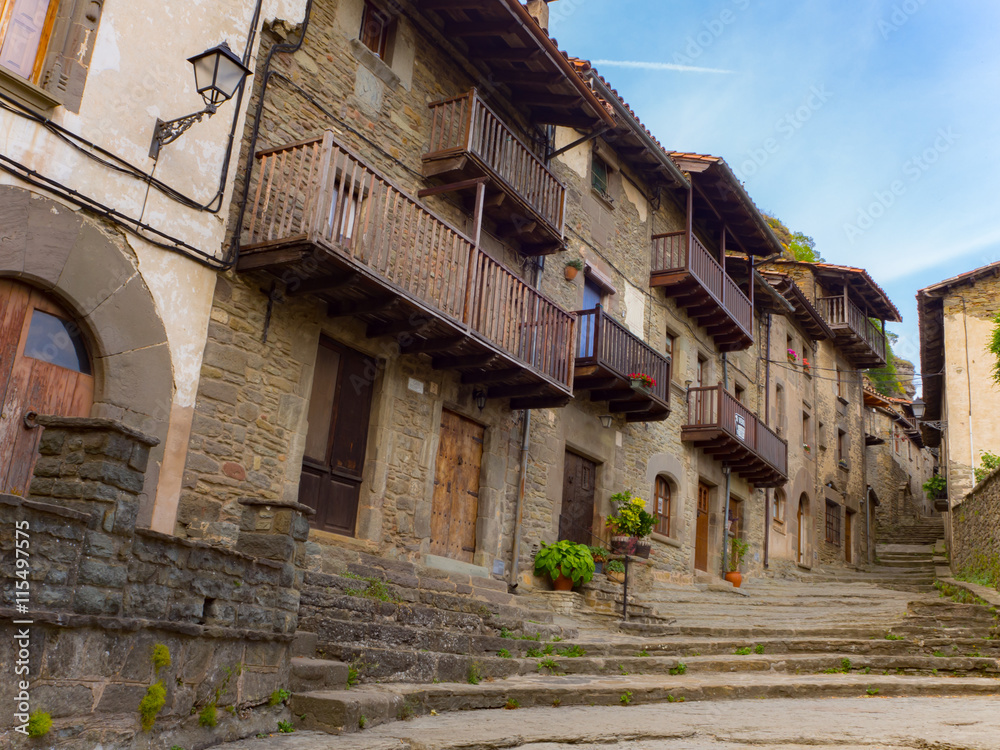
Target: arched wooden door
(44, 368)
(800, 537)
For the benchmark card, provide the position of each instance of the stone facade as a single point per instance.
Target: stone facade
(975, 525)
(100, 592)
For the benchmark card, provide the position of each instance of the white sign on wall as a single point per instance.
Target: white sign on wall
(741, 427)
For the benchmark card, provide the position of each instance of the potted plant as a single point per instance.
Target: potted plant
(806, 367)
(573, 267)
(806, 447)
(600, 556)
(935, 487)
(615, 570)
(642, 382)
(793, 356)
(738, 549)
(842, 463)
(568, 564)
(630, 524)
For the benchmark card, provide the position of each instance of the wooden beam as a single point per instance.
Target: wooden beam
(477, 28)
(609, 394)
(526, 77)
(623, 407)
(525, 389)
(430, 346)
(321, 284)
(265, 258)
(394, 327)
(464, 360)
(452, 187)
(435, 167)
(563, 117)
(364, 307)
(533, 98)
(555, 401)
(513, 54)
(491, 376)
(449, 4)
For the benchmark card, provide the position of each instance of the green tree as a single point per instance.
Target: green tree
(885, 380)
(797, 244)
(994, 348)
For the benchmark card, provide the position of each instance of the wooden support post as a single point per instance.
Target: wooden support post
(690, 225)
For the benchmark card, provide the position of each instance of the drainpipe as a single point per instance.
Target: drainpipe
(725, 524)
(864, 464)
(767, 413)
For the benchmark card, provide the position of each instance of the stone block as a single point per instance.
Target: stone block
(103, 574)
(226, 358)
(97, 544)
(270, 546)
(64, 700)
(121, 331)
(120, 699)
(148, 601)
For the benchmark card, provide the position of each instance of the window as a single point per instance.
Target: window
(807, 438)
(702, 372)
(778, 507)
(840, 382)
(25, 26)
(779, 410)
(669, 345)
(735, 516)
(738, 392)
(662, 506)
(56, 341)
(599, 176)
(832, 523)
(841, 446)
(375, 27)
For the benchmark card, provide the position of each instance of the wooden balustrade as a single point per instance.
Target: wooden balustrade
(318, 192)
(840, 311)
(712, 408)
(466, 124)
(679, 252)
(605, 342)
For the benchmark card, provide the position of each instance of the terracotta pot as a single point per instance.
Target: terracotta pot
(735, 578)
(615, 576)
(571, 272)
(563, 583)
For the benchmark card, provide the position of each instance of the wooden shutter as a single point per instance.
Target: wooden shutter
(70, 48)
(23, 36)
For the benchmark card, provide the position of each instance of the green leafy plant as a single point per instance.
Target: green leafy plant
(743, 651)
(599, 554)
(625, 698)
(177, 747)
(940, 653)
(505, 633)
(988, 461)
(533, 653)
(675, 699)
(738, 549)
(934, 486)
(575, 263)
(550, 664)
(845, 665)
(40, 723)
(565, 558)
(556, 702)
(474, 675)
(362, 721)
(573, 651)
(993, 347)
(759, 648)
(503, 653)
(160, 657)
(151, 704)
(209, 716)
(285, 727)
(680, 668)
(614, 566)
(512, 704)
(894, 637)
(408, 710)
(643, 652)
(630, 517)
(872, 691)
(376, 588)
(279, 696)
(622, 671)
(556, 638)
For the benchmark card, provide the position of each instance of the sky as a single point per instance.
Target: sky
(869, 125)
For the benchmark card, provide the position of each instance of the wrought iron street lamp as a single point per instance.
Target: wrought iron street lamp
(218, 74)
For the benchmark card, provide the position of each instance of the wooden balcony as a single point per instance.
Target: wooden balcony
(325, 223)
(469, 140)
(697, 281)
(858, 337)
(724, 428)
(606, 354)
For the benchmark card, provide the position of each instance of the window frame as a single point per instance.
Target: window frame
(42, 53)
(663, 525)
(833, 523)
(382, 50)
(605, 191)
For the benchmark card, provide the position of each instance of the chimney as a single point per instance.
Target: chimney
(539, 10)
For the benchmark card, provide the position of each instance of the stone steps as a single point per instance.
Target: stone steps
(342, 711)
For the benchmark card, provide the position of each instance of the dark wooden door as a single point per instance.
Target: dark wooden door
(701, 530)
(334, 460)
(848, 540)
(44, 368)
(576, 521)
(800, 541)
(455, 508)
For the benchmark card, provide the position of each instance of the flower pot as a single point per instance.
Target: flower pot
(642, 549)
(735, 578)
(639, 385)
(598, 567)
(623, 545)
(615, 576)
(563, 583)
(571, 272)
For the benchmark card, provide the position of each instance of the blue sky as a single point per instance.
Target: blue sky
(870, 125)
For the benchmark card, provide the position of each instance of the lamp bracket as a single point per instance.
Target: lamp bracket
(170, 130)
(939, 425)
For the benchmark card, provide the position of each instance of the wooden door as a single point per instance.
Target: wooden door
(576, 520)
(800, 541)
(334, 459)
(455, 509)
(701, 529)
(44, 368)
(848, 541)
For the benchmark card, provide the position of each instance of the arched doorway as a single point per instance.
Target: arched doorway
(45, 367)
(802, 529)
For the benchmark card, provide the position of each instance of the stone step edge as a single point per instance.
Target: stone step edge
(341, 711)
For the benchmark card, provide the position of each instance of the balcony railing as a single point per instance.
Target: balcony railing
(605, 348)
(841, 313)
(466, 126)
(678, 258)
(318, 194)
(734, 434)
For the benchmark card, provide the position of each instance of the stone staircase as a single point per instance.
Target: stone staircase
(418, 649)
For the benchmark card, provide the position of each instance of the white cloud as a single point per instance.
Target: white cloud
(659, 66)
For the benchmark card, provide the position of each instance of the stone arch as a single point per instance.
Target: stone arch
(670, 467)
(52, 247)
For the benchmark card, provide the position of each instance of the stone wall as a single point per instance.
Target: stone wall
(98, 593)
(975, 524)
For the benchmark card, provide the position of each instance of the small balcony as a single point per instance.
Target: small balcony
(857, 336)
(607, 353)
(725, 429)
(325, 223)
(469, 140)
(698, 282)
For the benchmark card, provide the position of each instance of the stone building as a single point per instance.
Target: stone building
(956, 326)
(898, 462)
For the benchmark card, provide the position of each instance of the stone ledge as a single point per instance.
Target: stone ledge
(291, 504)
(132, 624)
(89, 423)
(55, 510)
(197, 544)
